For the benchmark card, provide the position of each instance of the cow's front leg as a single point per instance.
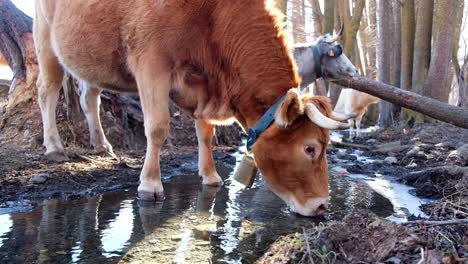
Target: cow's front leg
(90, 101)
(49, 83)
(154, 82)
(206, 164)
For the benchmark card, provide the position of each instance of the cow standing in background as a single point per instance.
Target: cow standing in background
(354, 103)
(220, 61)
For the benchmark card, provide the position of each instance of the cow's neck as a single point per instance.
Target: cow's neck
(249, 118)
(305, 60)
(246, 59)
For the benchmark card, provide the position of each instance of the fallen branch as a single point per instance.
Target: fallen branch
(394, 147)
(350, 145)
(457, 116)
(450, 170)
(437, 223)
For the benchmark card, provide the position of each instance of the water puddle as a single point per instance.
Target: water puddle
(404, 203)
(195, 224)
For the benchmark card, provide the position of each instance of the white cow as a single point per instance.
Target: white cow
(354, 103)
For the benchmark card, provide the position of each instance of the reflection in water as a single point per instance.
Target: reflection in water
(404, 203)
(5, 226)
(194, 224)
(116, 236)
(185, 238)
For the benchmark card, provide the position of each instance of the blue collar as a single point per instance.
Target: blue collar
(317, 62)
(264, 122)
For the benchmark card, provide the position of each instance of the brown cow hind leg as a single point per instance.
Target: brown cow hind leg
(90, 101)
(206, 164)
(154, 82)
(49, 83)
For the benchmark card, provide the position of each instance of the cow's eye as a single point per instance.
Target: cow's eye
(310, 150)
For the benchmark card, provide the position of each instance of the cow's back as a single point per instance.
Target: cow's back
(94, 39)
(352, 101)
(86, 38)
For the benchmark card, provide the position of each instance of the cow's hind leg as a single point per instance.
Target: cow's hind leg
(358, 125)
(90, 100)
(154, 82)
(49, 83)
(351, 128)
(206, 164)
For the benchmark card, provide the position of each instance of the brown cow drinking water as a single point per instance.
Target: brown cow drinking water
(218, 60)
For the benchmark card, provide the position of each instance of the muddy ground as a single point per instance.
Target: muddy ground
(27, 178)
(433, 158)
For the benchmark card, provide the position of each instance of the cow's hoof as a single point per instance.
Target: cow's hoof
(56, 156)
(150, 196)
(106, 153)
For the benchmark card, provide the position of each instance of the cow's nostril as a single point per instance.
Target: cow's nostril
(322, 207)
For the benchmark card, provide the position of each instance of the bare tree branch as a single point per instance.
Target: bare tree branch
(457, 116)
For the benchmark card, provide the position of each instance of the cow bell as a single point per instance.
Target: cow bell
(246, 171)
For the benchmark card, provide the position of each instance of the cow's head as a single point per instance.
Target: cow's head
(324, 59)
(291, 153)
(334, 63)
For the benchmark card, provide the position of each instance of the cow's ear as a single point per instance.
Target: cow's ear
(290, 109)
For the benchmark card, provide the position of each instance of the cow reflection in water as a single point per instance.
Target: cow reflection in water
(150, 212)
(60, 232)
(86, 230)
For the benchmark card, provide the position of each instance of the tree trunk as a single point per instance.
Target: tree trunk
(396, 45)
(422, 44)
(298, 18)
(384, 57)
(457, 26)
(396, 56)
(317, 18)
(407, 43)
(351, 25)
(422, 52)
(369, 43)
(463, 86)
(435, 85)
(17, 49)
(329, 16)
(457, 116)
(363, 43)
(372, 28)
(14, 24)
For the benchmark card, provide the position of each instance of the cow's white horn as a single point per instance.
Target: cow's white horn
(321, 120)
(339, 34)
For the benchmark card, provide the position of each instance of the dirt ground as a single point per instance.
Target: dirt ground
(26, 177)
